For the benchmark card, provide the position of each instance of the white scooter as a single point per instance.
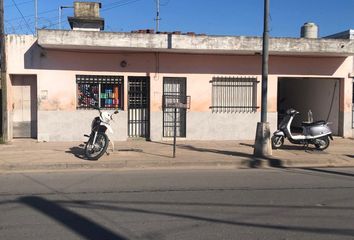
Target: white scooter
(317, 133)
(98, 141)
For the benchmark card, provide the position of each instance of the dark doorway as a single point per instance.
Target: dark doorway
(139, 107)
(320, 95)
(174, 87)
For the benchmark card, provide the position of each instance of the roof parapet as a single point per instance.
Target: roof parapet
(107, 41)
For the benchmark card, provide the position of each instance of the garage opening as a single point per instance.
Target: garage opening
(319, 95)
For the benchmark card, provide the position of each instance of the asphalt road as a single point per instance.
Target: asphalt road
(181, 204)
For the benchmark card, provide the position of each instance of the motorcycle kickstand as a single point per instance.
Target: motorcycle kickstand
(112, 148)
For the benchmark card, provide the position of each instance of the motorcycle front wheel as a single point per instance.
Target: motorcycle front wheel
(277, 141)
(321, 143)
(95, 150)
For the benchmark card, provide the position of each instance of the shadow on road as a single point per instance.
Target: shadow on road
(83, 226)
(210, 220)
(329, 172)
(89, 229)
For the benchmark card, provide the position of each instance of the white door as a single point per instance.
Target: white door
(24, 107)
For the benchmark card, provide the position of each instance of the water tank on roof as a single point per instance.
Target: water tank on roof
(309, 30)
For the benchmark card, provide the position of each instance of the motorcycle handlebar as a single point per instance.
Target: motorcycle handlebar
(97, 108)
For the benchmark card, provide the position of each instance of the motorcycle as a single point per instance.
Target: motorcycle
(98, 141)
(317, 133)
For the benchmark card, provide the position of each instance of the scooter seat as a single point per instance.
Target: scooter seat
(306, 124)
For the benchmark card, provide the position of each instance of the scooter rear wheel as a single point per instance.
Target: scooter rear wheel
(277, 141)
(322, 143)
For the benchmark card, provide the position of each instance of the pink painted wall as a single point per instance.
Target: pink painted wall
(56, 72)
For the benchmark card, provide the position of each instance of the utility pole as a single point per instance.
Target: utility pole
(157, 15)
(263, 144)
(4, 123)
(265, 59)
(36, 16)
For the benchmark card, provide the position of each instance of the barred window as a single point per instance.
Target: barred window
(234, 94)
(99, 91)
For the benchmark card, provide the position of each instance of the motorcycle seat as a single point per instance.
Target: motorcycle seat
(306, 124)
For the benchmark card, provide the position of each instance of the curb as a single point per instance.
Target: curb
(131, 165)
(123, 165)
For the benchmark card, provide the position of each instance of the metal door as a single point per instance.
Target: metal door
(139, 107)
(24, 106)
(174, 87)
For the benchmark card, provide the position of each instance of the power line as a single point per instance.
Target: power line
(165, 3)
(19, 27)
(31, 15)
(113, 5)
(119, 5)
(106, 8)
(18, 4)
(22, 16)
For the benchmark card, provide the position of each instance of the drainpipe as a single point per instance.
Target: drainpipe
(60, 14)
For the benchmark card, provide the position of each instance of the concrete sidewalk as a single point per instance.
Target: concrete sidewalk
(29, 155)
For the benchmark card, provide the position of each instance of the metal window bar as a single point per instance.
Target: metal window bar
(234, 94)
(88, 84)
(138, 107)
(174, 90)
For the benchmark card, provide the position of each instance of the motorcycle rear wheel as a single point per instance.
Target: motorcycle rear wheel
(322, 143)
(277, 141)
(94, 151)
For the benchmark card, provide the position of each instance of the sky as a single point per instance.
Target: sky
(212, 17)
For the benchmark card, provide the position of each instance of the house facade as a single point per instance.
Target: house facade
(53, 80)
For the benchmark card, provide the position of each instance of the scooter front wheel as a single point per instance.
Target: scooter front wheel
(95, 150)
(321, 143)
(277, 141)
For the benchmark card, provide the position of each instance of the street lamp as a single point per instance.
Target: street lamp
(60, 13)
(263, 145)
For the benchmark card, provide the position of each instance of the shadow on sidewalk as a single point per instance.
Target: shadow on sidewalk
(254, 162)
(78, 151)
